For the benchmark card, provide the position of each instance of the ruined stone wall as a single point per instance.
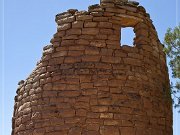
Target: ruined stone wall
(87, 83)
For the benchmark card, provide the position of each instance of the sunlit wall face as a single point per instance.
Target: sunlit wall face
(23, 37)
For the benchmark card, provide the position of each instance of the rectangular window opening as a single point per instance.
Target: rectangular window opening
(127, 36)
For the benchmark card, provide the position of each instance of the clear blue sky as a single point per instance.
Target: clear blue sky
(29, 25)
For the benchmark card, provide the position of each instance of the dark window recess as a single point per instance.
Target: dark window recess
(127, 36)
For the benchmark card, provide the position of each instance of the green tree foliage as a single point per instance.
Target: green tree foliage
(172, 49)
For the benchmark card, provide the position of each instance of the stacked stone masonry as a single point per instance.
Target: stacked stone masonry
(87, 83)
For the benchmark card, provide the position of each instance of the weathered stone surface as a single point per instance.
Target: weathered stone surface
(90, 24)
(66, 20)
(106, 115)
(98, 43)
(77, 24)
(75, 131)
(87, 83)
(90, 31)
(128, 131)
(107, 130)
(64, 26)
(84, 17)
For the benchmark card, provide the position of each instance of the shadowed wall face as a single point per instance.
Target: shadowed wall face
(87, 83)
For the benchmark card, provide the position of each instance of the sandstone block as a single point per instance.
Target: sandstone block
(107, 5)
(97, 13)
(127, 131)
(26, 118)
(61, 34)
(72, 87)
(66, 20)
(87, 85)
(105, 25)
(132, 61)
(110, 59)
(106, 115)
(64, 26)
(108, 130)
(67, 113)
(85, 78)
(106, 52)
(58, 86)
(102, 66)
(72, 59)
(70, 37)
(92, 115)
(99, 108)
(39, 131)
(94, 121)
(116, 10)
(81, 105)
(69, 93)
(74, 120)
(81, 112)
(49, 94)
(67, 42)
(77, 48)
(18, 121)
(89, 92)
(77, 24)
(74, 31)
(75, 53)
(57, 133)
(106, 31)
(84, 17)
(98, 43)
(82, 71)
(100, 19)
(114, 37)
(93, 127)
(108, 14)
(90, 24)
(99, 83)
(91, 133)
(90, 58)
(90, 31)
(107, 1)
(109, 122)
(101, 36)
(113, 43)
(82, 42)
(72, 11)
(92, 51)
(128, 123)
(123, 110)
(75, 131)
(105, 101)
(123, 116)
(120, 53)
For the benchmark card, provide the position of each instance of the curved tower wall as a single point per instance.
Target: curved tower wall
(87, 83)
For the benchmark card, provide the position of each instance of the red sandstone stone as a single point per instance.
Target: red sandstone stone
(75, 131)
(64, 26)
(86, 83)
(77, 24)
(90, 24)
(107, 130)
(84, 17)
(90, 31)
(127, 131)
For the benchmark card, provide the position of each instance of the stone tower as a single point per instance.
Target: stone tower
(88, 83)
